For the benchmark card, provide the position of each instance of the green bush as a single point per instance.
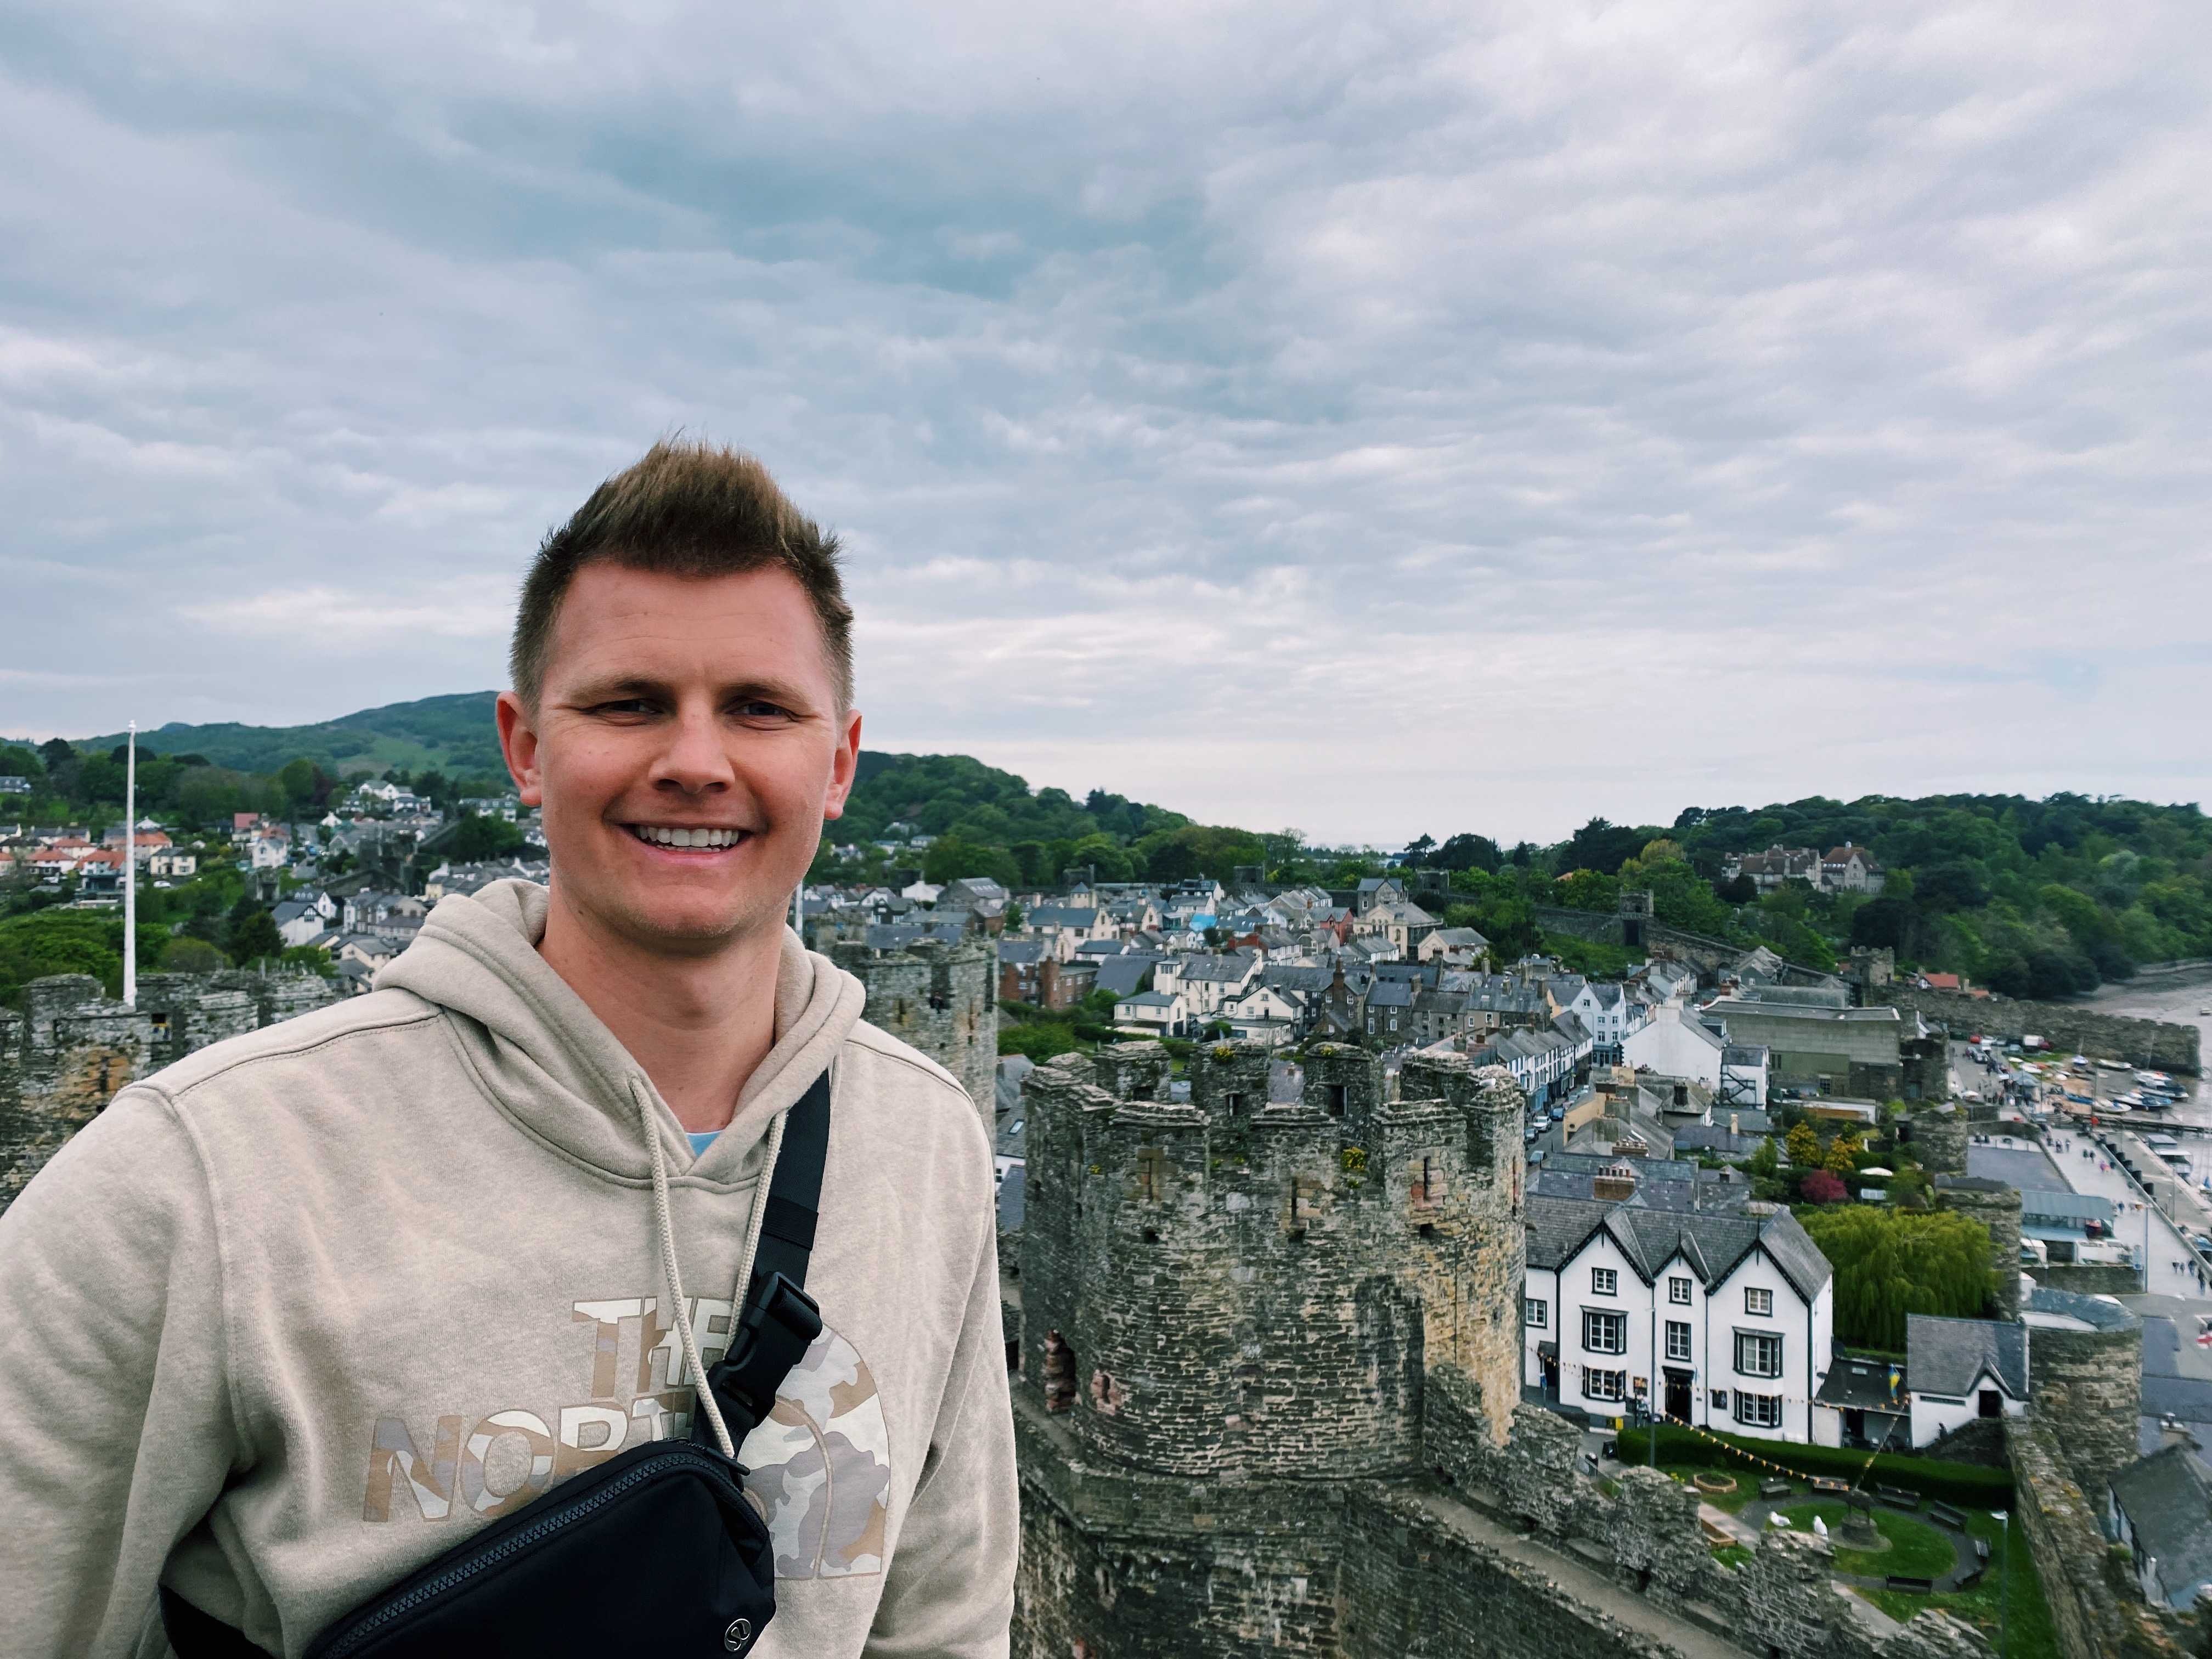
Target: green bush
(1964, 1484)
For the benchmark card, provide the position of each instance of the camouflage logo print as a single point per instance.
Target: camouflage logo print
(821, 1465)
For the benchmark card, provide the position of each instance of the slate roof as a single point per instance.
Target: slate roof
(1857, 1383)
(1649, 1236)
(1061, 915)
(1948, 1356)
(1750, 1055)
(1010, 1200)
(1021, 951)
(896, 936)
(1151, 1000)
(2167, 1496)
(1216, 970)
(1122, 974)
(2067, 1206)
(1390, 994)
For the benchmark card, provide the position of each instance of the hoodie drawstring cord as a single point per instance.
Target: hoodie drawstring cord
(672, 1276)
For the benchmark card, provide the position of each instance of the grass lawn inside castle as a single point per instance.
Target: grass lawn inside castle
(1919, 1549)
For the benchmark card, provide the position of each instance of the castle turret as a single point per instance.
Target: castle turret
(1253, 1287)
(941, 999)
(1997, 1207)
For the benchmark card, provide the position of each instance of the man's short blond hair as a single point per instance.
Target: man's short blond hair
(686, 508)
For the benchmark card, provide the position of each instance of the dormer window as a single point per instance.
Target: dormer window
(1678, 1289)
(1605, 1281)
(1758, 1302)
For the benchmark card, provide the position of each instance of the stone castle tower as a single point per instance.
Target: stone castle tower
(941, 999)
(1229, 1310)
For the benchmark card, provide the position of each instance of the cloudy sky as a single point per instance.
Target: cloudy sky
(1370, 420)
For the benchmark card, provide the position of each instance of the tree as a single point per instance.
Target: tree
(1842, 1155)
(1465, 851)
(1763, 1161)
(254, 938)
(476, 837)
(1820, 1187)
(1890, 1263)
(1804, 1145)
(185, 955)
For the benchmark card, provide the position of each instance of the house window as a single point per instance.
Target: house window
(1758, 1302)
(1605, 1333)
(1720, 1399)
(1759, 1411)
(1758, 1353)
(1678, 1338)
(1604, 1385)
(1235, 1102)
(1604, 1281)
(1678, 1292)
(1534, 1311)
(1336, 1099)
(1990, 1404)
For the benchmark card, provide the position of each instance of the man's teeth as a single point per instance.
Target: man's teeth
(664, 835)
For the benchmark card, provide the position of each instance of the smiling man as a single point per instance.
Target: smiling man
(295, 1316)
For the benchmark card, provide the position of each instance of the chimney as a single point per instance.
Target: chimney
(1735, 1124)
(1614, 1183)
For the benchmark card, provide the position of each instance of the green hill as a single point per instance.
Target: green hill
(451, 734)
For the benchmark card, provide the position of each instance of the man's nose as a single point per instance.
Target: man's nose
(695, 761)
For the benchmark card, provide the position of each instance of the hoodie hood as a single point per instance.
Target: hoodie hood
(549, 1062)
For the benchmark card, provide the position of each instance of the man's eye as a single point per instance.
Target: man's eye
(623, 706)
(756, 709)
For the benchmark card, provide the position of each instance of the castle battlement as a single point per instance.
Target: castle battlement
(940, 998)
(1236, 1286)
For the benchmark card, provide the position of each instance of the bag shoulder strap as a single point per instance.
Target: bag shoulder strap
(781, 1321)
(794, 1192)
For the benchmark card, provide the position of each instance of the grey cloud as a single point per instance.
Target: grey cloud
(1373, 424)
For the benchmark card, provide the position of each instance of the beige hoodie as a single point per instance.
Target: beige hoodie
(294, 1316)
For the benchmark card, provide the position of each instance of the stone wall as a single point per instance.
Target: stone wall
(939, 999)
(1938, 1139)
(2088, 1278)
(1235, 1287)
(1997, 1207)
(2140, 1042)
(2094, 1605)
(2085, 1381)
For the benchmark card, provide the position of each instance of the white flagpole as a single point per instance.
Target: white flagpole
(131, 872)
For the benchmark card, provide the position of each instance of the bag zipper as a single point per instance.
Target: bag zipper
(683, 1451)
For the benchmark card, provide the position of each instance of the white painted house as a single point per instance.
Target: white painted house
(1608, 1012)
(1958, 1370)
(1720, 1321)
(1674, 1043)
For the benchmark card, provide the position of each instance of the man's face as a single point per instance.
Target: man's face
(699, 712)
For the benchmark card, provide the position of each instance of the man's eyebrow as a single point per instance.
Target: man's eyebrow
(628, 685)
(638, 685)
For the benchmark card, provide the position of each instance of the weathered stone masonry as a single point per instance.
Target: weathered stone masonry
(2065, 1025)
(940, 999)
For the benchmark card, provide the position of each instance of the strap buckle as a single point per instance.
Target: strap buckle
(781, 1323)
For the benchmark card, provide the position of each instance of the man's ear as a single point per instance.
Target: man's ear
(518, 742)
(843, 766)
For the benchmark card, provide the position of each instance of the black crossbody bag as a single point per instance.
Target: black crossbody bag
(654, 1551)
